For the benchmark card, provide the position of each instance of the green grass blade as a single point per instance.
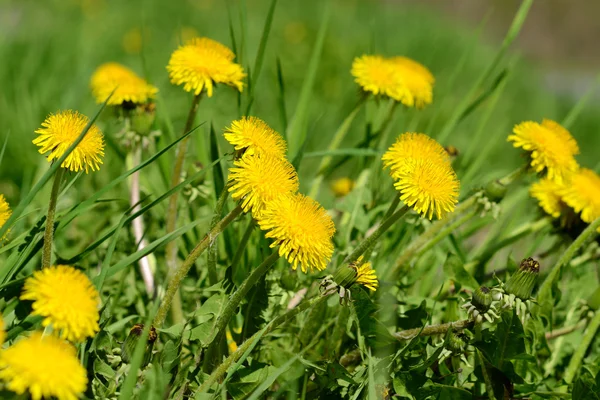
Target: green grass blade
(4, 148)
(260, 390)
(281, 99)
(578, 107)
(218, 178)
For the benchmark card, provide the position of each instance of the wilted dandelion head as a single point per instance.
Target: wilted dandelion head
(254, 136)
(378, 75)
(203, 62)
(547, 193)
(410, 147)
(430, 187)
(66, 299)
(59, 131)
(342, 186)
(127, 85)
(550, 146)
(417, 79)
(301, 228)
(256, 180)
(365, 274)
(44, 366)
(583, 194)
(5, 211)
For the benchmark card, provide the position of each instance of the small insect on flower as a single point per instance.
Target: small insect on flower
(257, 180)
(417, 79)
(550, 146)
(59, 131)
(127, 86)
(201, 63)
(44, 366)
(253, 136)
(66, 299)
(583, 194)
(379, 76)
(301, 228)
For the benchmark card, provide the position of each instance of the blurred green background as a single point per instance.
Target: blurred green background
(49, 50)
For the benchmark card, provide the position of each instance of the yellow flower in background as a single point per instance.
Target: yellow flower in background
(45, 366)
(203, 62)
(365, 274)
(127, 85)
(5, 211)
(66, 299)
(255, 137)
(186, 34)
(550, 146)
(60, 130)
(583, 194)
(417, 79)
(231, 344)
(410, 147)
(547, 193)
(256, 180)
(379, 76)
(342, 186)
(132, 41)
(301, 228)
(430, 188)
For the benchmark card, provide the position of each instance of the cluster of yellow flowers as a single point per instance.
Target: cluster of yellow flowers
(566, 189)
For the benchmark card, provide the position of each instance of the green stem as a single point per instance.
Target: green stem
(385, 225)
(232, 305)
(392, 207)
(180, 273)
(220, 371)
(49, 230)
(588, 336)
(565, 330)
(430, 330)
(212, 251)
(242, 244)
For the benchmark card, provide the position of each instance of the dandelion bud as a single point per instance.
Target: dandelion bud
(482, 298)
(128, 347)
(142, 118)
(522, 282)
(495, 191)
(456, 343)
(345, 276)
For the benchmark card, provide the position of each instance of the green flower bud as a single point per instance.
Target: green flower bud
(142, 118)
(495, 191)
(522, 282)
(129, 344)
(482, 298)
(456, 343)
(345, 276)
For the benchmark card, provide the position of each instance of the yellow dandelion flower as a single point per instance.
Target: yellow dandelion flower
(60, 130)
(203, 62)
(551, 147)
(5, 211)
(255, 137)
(379, 76)
(66, 299)
(365, 274)
(342, 186)
(583, 194)
(410, 147)
(547, 193)
(431, 187)
(417, 79)
(127, 85)
(256, 180)
(231, 344)
(301, 228)
(46, 366)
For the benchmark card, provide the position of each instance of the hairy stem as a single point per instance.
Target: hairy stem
(588, 336)
(180, 273)
(49, 230)
(565, 330)
(433, 329)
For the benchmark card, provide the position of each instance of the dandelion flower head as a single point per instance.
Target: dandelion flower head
(402, 156)
(301, 228)
(418, 80)
(548, 194)
(342, 186)
(59, 131)
(583, 194)
(257, 180)
(365, 274)
(66, 299)
(127, 86)
(46, 366)
(378, 75)
(254, 136)
(201, 63)
(5, 211)
(551, 147)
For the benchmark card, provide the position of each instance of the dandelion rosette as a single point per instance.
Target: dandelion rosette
(378, 75)
(410, 147)
(254, 136)
(201, 63)
(127, 86)
(59, 131)
(46, 366)
(257, 180)
(548, 194)
(583, 194)
(301, 228)
(550, 146)
(66, 299)
(417, 79)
